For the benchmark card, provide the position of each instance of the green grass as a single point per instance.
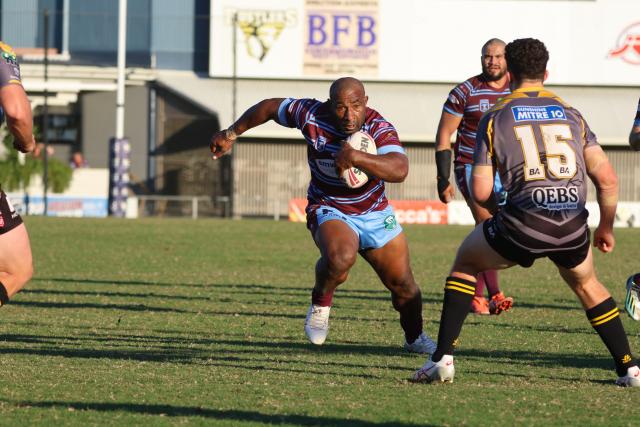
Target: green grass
(171, 322)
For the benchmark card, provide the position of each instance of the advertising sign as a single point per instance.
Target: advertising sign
(590, 42)
(341, 38)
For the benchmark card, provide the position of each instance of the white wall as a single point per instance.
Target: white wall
(425, 40)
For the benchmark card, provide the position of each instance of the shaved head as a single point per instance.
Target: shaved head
(345, 84)
(492, 42)
(348, 103)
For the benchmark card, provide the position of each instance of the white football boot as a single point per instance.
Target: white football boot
(317, 324)
(442, 371)
(423, 345)
(632, 300)
(632, 379)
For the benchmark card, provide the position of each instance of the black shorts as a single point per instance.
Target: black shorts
(567, 258)
(9, 218)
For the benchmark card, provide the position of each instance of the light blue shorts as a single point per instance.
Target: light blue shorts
(465, 187)
(374, 229)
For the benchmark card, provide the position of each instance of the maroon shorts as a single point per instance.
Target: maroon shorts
(567, 258)
(9, 218)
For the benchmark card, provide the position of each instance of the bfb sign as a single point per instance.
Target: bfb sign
(354, 31)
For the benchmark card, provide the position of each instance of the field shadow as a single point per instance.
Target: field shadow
(85, 305)
(208, 413)
(113, 294)
(554, 360)
(237, 288)
(570, 305)
(116, 282)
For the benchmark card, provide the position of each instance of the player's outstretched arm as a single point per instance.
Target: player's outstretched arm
(634, 138)
(446, 127)
(17, 108)
(605, 180)
(258, 114)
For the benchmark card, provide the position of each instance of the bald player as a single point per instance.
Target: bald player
(544, 151)
(345, 222)
(462, 111)
(16, 266)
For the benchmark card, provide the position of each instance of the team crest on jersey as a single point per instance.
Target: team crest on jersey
(390, 222)
(484, 105)
(320, 143)
(262, 28)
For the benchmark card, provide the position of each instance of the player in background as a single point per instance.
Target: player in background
(543, 150)
(16, 267)
(462, 111)
(343, 221)
(634, 136)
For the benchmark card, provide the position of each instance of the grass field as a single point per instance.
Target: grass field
(171, 322)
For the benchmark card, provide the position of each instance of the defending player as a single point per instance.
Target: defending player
(16, 266)
(344, 222)
(466, 103)
(543, 150)
(634, 136)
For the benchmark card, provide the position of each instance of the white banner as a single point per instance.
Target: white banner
(590, 42)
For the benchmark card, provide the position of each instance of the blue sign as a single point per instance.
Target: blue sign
(538, 113)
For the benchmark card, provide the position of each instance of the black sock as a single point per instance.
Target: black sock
(411, 317)
(605, 319)
(4, 296)
(458, 294)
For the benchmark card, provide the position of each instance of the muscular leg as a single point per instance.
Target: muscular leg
(474, 255)
(601, 311)
(489, 278)
(16, 266)
(338, 245)
(391, 263)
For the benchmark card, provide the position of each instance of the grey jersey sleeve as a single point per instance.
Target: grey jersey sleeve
(482, 153)
(9, 68)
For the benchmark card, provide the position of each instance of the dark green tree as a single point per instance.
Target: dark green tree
(15, 175)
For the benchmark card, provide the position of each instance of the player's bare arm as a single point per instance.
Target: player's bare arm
(258, 114)
(605, 180)
(17, 109)
(482, 178)
(446, 127)
(634, 138)
(390, 167)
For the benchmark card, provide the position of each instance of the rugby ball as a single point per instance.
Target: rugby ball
(354, 177)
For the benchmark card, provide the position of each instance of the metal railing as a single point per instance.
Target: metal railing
(267, 175)
(176, 205)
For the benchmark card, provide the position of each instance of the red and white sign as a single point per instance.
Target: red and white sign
(628, 45)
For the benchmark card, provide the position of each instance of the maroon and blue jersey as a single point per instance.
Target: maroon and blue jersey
(470, 100)
(636, 122)
(316, 122)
